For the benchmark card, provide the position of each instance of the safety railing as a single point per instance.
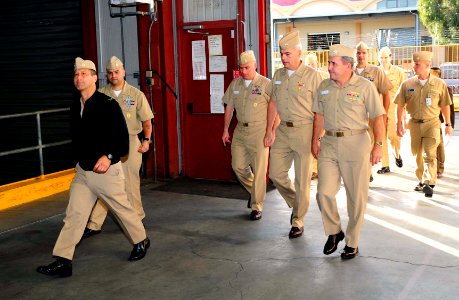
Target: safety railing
(40, 146)
(446, 57)
(401, 56)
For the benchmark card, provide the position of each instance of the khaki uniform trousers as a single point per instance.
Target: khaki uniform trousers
(393, 138)
(346, 158)
(425, 138)
(131, 169)
(250, 161)
(293, 144)
(441, 155)
(86, 187)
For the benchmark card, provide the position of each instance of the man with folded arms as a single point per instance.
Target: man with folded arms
(343, 105)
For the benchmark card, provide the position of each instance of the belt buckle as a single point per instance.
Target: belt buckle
(339, 133)
(289, 124)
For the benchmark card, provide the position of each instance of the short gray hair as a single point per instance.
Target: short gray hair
(348, 59)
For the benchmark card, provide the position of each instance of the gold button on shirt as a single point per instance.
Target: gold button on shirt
(134, 105)
(251, 102)
(347, 107)
(294, 94)
(378, 77)
(423, 102)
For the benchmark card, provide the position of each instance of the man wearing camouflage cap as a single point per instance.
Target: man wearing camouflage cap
(247, 95)
(98, 171)
(424, 97)
(293, 88)
(138, 115)
(343, 106)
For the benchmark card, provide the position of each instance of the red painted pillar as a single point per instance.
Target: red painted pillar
(262, 63)
(160, 40)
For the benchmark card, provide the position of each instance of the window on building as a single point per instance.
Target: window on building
(322, 41)
(397, 37)
(397, 3)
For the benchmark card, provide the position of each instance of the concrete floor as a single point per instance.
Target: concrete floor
(206, 248)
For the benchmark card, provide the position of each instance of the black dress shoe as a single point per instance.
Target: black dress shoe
(332, 243)
(249, 203)
(399, 162)
(371, 178)
(61, 267)
(90, 232)
(295, 232)
(383, 170)
(140, 250)
(428, 190)
(255, 215)
(419, 187)
(349, 252)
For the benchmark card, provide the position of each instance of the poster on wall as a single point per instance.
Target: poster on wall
(198, 54)
(217, 89)
(215, 45)
(217, 63)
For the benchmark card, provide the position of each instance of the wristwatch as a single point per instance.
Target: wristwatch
(147, 139)
(109, 156)
(447, 124)
(379, 143)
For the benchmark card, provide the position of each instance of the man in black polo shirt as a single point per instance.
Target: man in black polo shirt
(100, 138)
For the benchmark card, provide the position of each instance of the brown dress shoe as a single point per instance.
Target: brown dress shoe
(349, 252)
(314, 175)
(295, 232)
(332, 242)
(255, 215)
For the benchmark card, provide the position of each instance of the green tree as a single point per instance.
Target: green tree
(441, 18)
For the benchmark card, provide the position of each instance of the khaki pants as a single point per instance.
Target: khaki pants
(346, 158)
(393, 138)
(131, 169)
(250, 161)
(441, 156)
(293, 144)
(425, 138)
(86, 187)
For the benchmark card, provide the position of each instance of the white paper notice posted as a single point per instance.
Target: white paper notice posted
(215, 45)
(198, 54)
(217, 86)
(217, 64)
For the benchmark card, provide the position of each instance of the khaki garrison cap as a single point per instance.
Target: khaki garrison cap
(247, 56)
(84, 64)
(422, 56)
(361, 46)
(290, 40)
(341, 50)
(114, 63)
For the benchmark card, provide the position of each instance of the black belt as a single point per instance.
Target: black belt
(296, 123)
(421, 120)
(344, 133)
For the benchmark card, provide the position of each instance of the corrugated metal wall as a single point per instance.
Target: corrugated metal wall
(117, 36)
(39, 41)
